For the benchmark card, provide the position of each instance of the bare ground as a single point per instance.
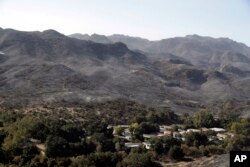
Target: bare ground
(213, 161)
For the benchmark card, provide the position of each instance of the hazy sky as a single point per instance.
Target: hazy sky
(153, 19)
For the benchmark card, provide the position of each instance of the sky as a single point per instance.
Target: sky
(152, 19)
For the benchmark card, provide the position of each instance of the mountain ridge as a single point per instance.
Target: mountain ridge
(46, 67)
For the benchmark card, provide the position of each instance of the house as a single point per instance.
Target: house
(41, 147)
(118, 126)
(160, 135)
(218, 130)
(229, 134)
(162, 129)
(35, 141)
(205, 129)
(123, 126)
(121, 138)
(132, 145)
(147, 145)
(168, 127)
(167, 133)
(183, 133)
(222, 136)
(212, 138)
(149, 136)
(194, 130)
(177, 135)
(110, 126)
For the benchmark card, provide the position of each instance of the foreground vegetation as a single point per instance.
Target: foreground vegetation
(79, 135)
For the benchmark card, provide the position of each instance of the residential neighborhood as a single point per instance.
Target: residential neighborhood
(167, 131)
(126, 137)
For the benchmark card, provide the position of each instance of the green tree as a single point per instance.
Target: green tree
(2, 156)
(196, 139)
(56, 146)
(103, 143)
(157, 145)
(227, 117)
(2, 136)
(176, 152)
(134, 129)
(17, 134)
(161, 117)
(242, 126)
(203, 119)
(39, 131)
(146, 127)
(79, 148)
(82, 161)
(119, 130)
(237, 143)
(187, 120)
(72, 133)
(28, 153)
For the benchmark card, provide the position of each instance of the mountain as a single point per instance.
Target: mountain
(201, 51)
(80, 36)
(49, 64)
(94, 37)
(134, 43)
(184, 74)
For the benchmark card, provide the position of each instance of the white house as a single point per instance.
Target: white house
(35, 141)
(147, 145)
(167, 133)
(222, 136)
(218, 130)
(132, 145)
(149, 136)
(194, 130)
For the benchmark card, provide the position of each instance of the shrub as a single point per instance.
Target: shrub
(138, 160)
(213, 149)
(56, 146)
(203, 118)
(191, 151)
(196, 139)
(176, 152)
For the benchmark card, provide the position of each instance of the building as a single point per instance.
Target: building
(218, 130)
(194, 130)
(177, 135)
(205, 129)
(147, 145)
(41, 148)
(223, 136)
(149, 136)
(162, 129)
(132, 145)
(167, 133)
(167, 127)
(35, 141)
